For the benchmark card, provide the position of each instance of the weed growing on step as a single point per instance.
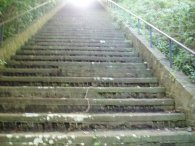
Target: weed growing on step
(96, 141)
(2, 62)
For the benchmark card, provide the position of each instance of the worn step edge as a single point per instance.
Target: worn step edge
(93, 68)
(83, 45)
(60, 53)
(91, 118)
(107, 138)
(71, 48)
(77, 79)
(76, 58)
(92, 89)
(74, 38)
(77, 41)
(93, 64)
(76, 101)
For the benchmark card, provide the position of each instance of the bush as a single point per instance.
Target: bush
(176, 18)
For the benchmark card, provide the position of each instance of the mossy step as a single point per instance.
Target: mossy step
(106, 118)
(75, 101)
(72, 48)
(83, 92)
(78, 41)
(91, 35)
(81, 33)
(102, 138)
(76, 58)
(76, 81)
(51, 26)
(123, 45)
(75, 52)
(88, 121)
(37, 37)
(81, 71)
(55, 35)
(74, 38)
(67, 26)
(75, 28)
(67, 105)
(81, 64)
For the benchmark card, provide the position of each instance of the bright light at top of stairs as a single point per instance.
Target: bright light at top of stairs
(81, 3)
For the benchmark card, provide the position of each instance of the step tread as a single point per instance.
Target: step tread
(92, 118)
(180, 135)
(97, 89)
(92, 101)
(77, 79)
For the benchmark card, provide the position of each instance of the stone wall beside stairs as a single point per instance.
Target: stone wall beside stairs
(11, 45)
(177, 84)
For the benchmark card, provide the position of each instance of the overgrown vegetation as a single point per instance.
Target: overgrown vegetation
(11, 8)
(176, 18)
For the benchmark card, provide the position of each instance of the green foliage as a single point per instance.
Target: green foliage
(11, 8)
(176, 18)
(2, 62)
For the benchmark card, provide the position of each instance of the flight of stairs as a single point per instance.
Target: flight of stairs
(78, 82)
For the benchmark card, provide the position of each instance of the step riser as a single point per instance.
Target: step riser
(15, 105)
(77, 58)
(69, 127)
(80, 108)
(68, 84)
(70, 49)
(73, 73)
(81, 65)
(81, 44)
(77, 41)
(72, 122)
(76, 53)
(75, 82)
(86, 138)
(74, 38)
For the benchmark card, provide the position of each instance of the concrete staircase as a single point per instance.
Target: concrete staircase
(78, 82)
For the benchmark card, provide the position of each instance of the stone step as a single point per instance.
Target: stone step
(163, 137)
(73, 48)
(68, 66)
(76, 58)
(79, 70)
(57, 37)
(82, 44)
(78, 41)
(79, 32)
(57, 64)
(66, 26)
(76, 53)
(95, 37)
(37, 38)
(83, 92)
(89, 121)
(76, 81)
(91, 35)
(71, 105)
